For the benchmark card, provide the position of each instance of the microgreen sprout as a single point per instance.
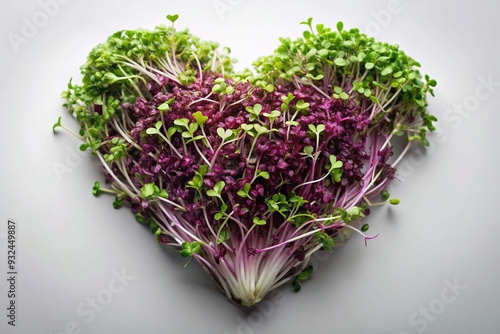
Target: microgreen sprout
(394, 201)
(249, 173)
(244, 193)
(217, 190)
(97, 190)
(189, 249)
(304, 275)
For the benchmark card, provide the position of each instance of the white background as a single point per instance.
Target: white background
(71, 245)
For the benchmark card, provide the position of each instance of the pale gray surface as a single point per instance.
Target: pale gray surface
(71, 245)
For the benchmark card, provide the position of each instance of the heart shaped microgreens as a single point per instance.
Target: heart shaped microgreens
(249, 173)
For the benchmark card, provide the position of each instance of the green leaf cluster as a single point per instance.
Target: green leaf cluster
(190, 248)
(302, 276)
(149, 190)
(347, 64)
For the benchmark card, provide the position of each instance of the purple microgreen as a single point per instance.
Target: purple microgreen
(250, 173)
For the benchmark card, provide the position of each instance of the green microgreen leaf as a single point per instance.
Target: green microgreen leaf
(57, 124)
(394, 201)
(224, 133)
(386, 71)
(217, 190)
(296, 285)
(148, 190)
(212, 193)
(258, 221)
(190, 248)
(260, 129)
(292, 123)
(248, 128)
(323, 53)
(165, 106)
(308, 23)
(301, 105)
(157, 234)
(340, 26)
(325, 239)
(385, 195)
(219, 186)
(269, 88)
(278, 203)
(96, 189)
(254, 111)
(340, 62)
(316, 129)
(184, 122)
(151, 131)
(223, 236)
(162, 193)
(305, 274)
(335, 168)
(170, 131)
(118, 202)
(155, 130)
(200, 118)
(273, 114)
(263, 174)
(344, 96)
(140, 218)
(308, 150)
(172, 18)
(244, 193)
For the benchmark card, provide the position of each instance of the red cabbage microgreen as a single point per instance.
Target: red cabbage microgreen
(249, 173)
